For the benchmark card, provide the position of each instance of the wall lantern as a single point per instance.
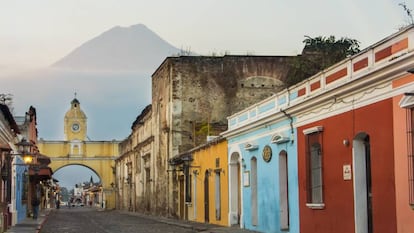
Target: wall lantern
(345, 142)
(243, 163)
(24, 149)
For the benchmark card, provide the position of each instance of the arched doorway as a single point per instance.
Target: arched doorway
(235, 193)
(361, 161)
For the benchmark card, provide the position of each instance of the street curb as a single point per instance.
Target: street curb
(39, 227)
(168, 221)
(183, 225)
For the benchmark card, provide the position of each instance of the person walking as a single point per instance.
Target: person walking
(57, 200)
(36, 201)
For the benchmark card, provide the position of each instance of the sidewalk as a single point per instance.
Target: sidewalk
(29, 224)
(196, 226)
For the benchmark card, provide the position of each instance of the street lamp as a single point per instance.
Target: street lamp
(24, 148)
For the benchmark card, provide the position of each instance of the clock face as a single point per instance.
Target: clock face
(75, 127)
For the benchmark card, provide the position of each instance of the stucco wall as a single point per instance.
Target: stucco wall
(268, 188)
(205, 160)
(376, 120)
(405, 213)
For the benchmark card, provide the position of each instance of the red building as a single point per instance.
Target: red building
(354, 142)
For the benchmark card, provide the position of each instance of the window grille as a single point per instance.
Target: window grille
(187, 183)
(314, 178)
(410, 151)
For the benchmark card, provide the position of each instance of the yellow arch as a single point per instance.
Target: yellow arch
(99, 156)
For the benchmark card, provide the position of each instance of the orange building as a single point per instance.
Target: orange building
(403, 105)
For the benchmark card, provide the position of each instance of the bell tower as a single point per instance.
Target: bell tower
(75, 127)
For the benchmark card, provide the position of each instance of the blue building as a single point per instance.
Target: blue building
(263, 174)
(21, 188)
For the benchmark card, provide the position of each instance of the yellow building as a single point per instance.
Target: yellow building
(203, 183)
(77, 149)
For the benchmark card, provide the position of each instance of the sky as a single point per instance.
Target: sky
(37, 33)
(82, 174)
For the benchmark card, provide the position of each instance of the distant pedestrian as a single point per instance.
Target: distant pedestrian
(57, 203)
(36, 200)
(57, 198)
(35, 206)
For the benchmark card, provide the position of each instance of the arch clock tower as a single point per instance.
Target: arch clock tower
(78, 149)
(75, 126)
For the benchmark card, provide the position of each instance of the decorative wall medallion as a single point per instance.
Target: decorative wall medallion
(267, 153)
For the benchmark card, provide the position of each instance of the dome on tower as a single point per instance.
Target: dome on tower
(75, 101)
(75, 111)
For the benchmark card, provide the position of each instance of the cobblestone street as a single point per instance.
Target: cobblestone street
(67, 220)
(90, 220)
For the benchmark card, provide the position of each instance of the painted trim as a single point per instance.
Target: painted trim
(351, 81)
(250, 146)
(316, 206)
(279, 138)
(313, 130)
(407, 101)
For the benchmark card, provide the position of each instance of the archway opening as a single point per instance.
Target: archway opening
(78, 186)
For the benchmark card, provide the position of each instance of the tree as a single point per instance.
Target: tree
(7, 99)
(319, 53)
(64, 192)
(408, 12)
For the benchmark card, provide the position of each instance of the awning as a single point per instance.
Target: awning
(43, 159)
(4, 147)
(44, 172)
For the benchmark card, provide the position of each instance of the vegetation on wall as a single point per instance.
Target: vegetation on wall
(319, 53)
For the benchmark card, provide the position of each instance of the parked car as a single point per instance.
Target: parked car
(77, 203)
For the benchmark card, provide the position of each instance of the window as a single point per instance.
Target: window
(218, 195)
(410, 154)
(137, 163)
(187, 183)
(314, 177)
(254, 203)
(407, 102)
(283, 191)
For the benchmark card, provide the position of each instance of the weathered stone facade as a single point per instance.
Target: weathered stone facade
(135, 166)
(192, 96)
